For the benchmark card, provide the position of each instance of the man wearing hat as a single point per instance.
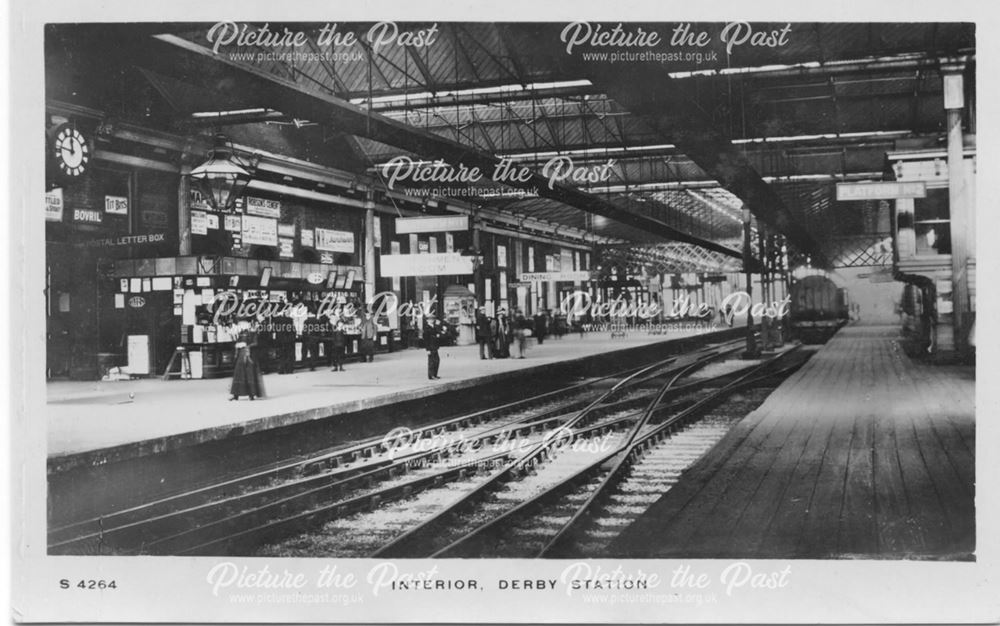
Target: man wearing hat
(484, 334)
(432, 335)
(502, 337)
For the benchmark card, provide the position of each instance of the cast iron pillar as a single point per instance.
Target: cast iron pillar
(954, 104)
(477, 271)
(369, 255)
(184, 212)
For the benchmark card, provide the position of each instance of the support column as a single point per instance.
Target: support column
(369, 252)
(959, 211)
(765, 322)
(752, 351)
(518, 250)
(183, 212)
(477, 272)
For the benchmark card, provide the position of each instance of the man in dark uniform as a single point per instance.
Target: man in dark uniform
(484, 334)
(338, 345)
(432, 334)
(325, 338)
(265, 342)
(310, 339)
(284, 337)
(541, 327)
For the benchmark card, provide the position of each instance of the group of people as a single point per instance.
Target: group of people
(495, 335)
(258, 339)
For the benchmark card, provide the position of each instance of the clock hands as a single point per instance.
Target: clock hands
(71, 151)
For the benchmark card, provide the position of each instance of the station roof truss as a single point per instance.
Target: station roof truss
(665, 258)
(773, 130)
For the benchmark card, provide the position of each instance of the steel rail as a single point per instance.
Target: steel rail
(621, 453)
(537, 454)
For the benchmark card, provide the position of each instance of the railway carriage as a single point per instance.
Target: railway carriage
(818, 309)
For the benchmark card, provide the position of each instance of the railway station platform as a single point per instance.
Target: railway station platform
(862, 453)
(90, 423)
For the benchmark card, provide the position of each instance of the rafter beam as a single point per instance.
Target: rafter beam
(422, 68)
(508, 45)
(256, 87)
(647, 91)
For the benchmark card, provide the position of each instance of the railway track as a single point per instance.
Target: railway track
(429, 523)
(581, 515)
(273, 501)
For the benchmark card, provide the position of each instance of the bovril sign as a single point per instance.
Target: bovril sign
(315, 278)
(137, 302)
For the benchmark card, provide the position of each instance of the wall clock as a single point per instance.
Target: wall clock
(71, 151)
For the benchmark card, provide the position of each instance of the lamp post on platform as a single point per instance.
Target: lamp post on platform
(223, 177)
(220, 181)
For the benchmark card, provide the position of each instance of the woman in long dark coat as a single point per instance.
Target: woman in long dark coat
(246, 374)
(369, 332)
(503, 336)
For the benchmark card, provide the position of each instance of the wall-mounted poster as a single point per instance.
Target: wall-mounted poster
(116, 205)
(233, 222)
(54, 205)
(263, 207)
(199, 223)
(335, 240)
(260, 231)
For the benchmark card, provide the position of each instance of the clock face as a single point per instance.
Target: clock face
(71, 151)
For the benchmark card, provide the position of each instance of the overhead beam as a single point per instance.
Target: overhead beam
(665, 104)
(256, 87)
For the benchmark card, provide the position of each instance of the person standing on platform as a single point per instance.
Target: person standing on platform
(246, 375)
(338, 345)
(284, 337)
(432, 337)
(522, 329)
(484, 334)
(503, 336)
(558, 324)
(265, 342)
(541, 327)
(369, 331)
(325, 336)
(310, 339)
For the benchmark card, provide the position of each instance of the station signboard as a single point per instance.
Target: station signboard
(555, 276)
(431, 264)
(434, 224)
(892, 190)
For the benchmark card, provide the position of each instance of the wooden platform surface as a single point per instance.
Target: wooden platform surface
(862, 453)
